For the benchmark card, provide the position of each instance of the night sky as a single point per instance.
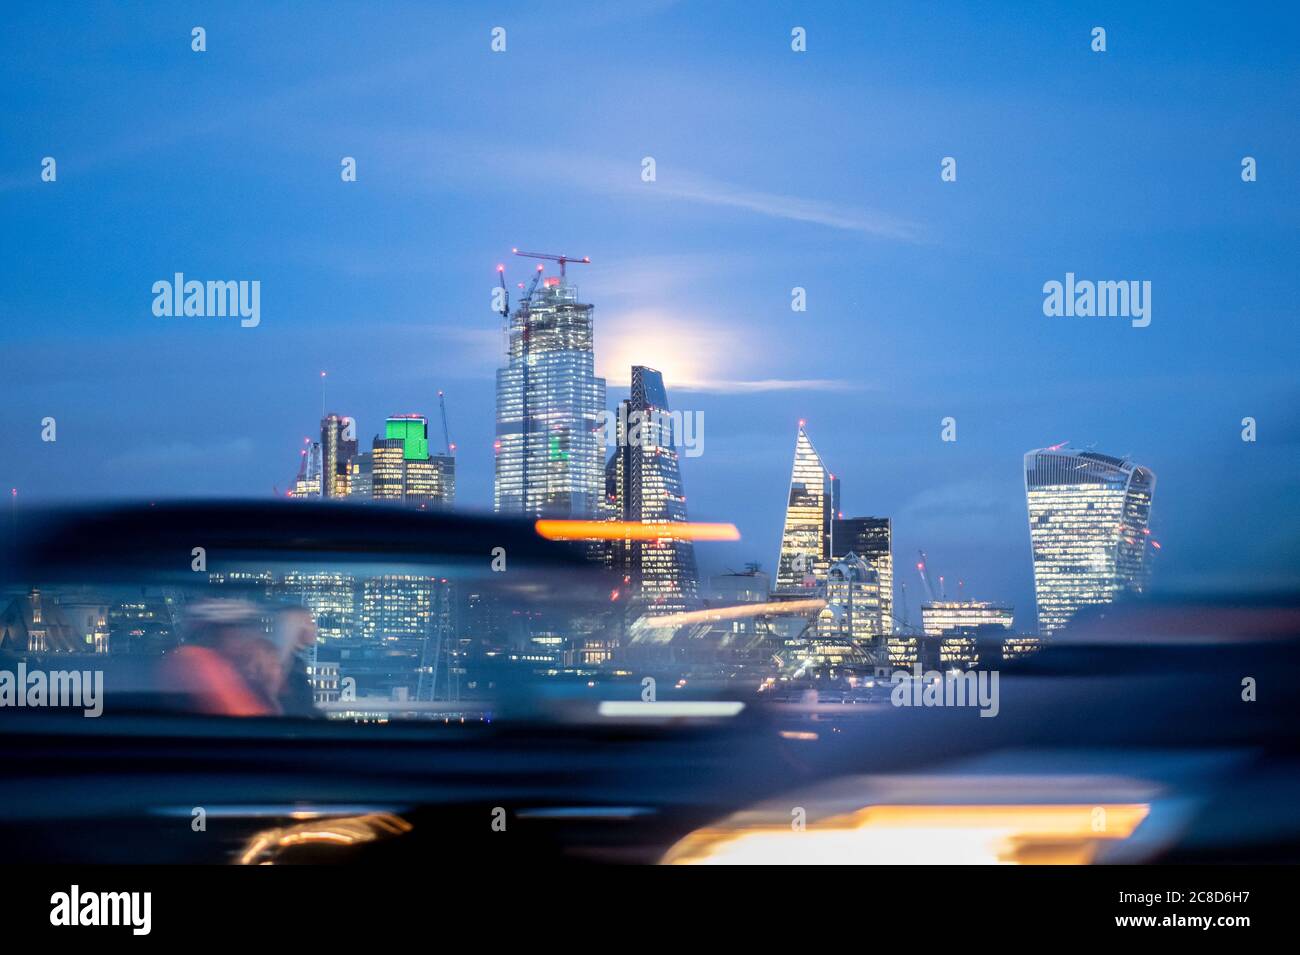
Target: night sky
(775, 169)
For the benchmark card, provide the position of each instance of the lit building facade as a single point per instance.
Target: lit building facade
(1088, 528)
(940, 616)
(401, 469)
(954, 629)
(644, 484)
(361, 476)
(870, 539)
(330, 596)
(338, 445)
(853, 605)
(398, 608)
(806, 536)
(323, 674)
(308, 481)
(549, 449)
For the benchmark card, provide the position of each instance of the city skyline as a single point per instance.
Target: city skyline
(924, 298)
(1089, 513)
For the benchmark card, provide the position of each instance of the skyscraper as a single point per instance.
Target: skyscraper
(549, 454)
(403, 471)
(853, 606)
(870, 539)
(338, 443)
(643, 478)
(1088, 517)
(806, 538)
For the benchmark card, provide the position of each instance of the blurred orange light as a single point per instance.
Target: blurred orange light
(634, 530)
(738, 612)
(923, 834)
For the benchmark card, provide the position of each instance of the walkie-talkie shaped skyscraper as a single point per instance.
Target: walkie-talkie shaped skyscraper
(1088, 526)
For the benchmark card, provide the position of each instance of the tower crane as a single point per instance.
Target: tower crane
(562, 259)
(449, 448)
(925, 576)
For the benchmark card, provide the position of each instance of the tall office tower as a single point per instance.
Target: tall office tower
(870, 538)
(644, 476)
(338, 443)
(1088, 527)
(806, 539)
(549, 454)
(853, 605)
(403, 471)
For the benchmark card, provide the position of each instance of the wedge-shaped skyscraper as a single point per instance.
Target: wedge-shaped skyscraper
(806, 538)
(1088, 517)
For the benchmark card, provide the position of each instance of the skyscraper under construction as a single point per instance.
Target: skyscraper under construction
(549, 449)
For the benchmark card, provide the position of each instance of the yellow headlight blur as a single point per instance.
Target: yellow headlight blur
(921, 835)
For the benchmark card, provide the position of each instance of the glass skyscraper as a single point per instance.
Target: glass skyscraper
(643, 478)
(549, 448)
(1088, 527)
(806, 538)
(869, 538)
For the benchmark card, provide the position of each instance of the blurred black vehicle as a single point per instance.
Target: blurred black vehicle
(295, 682)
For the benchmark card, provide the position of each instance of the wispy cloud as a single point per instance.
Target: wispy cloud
(769, 384)
(624, 178)
(701, 189)
(433, 159)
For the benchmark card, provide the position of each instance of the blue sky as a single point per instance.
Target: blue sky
(775, 169)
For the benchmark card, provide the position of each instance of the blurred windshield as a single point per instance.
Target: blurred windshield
(413, 617)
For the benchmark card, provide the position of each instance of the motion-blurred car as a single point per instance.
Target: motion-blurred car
(293, 682)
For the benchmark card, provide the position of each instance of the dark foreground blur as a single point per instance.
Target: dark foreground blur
(399, 691)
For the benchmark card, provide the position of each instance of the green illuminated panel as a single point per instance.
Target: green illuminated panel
(413, 433)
